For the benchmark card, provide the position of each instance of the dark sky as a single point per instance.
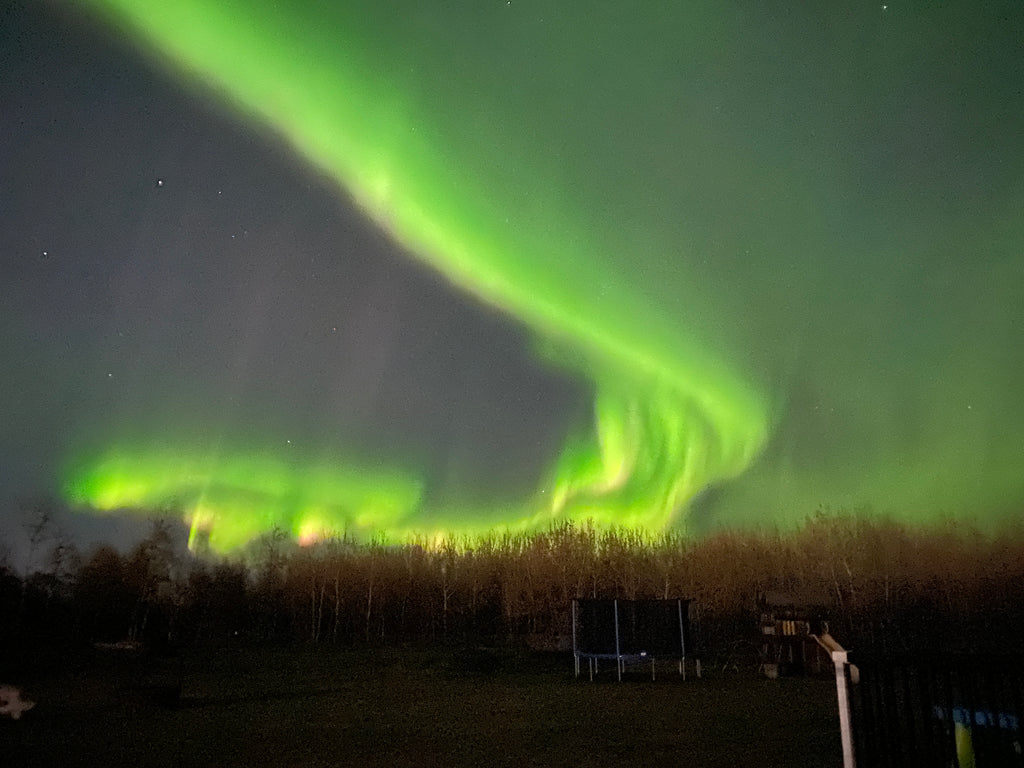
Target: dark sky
(168, 269)
(693, 264)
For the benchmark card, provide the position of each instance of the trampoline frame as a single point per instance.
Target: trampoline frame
(622, 656)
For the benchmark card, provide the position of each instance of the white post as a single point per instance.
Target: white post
(839, 659)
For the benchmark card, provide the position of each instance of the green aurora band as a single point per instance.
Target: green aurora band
(675, 213)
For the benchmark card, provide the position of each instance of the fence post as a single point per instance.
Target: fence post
(575, 646)
(843, 694)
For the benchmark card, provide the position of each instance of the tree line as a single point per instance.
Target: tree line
(879, 582)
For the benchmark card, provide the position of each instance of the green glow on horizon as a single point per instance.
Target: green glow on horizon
(231, 498)
(234, 498)
(682, 215)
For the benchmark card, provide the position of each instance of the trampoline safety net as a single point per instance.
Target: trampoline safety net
(631, 631)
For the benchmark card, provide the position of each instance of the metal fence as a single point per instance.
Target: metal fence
(962, 711)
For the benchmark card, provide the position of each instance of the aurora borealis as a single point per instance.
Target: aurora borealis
(706, 265)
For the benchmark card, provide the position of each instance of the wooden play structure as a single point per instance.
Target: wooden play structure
(790, 631)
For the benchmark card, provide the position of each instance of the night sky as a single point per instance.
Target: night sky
(407, 268)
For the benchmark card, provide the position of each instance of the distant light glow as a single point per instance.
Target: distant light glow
(232, 499)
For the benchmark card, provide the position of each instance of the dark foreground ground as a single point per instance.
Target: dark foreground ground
(287, 707)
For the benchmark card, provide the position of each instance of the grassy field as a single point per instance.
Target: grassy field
(288, 707)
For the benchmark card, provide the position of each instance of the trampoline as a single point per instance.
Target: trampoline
(631, 632)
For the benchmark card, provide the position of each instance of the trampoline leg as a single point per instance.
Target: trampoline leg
(652, 670)
(698, 668)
